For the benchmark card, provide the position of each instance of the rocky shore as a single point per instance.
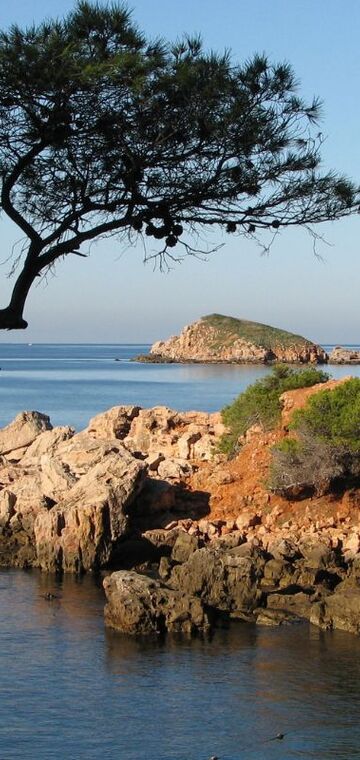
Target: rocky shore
(340, 355)
(184, 537)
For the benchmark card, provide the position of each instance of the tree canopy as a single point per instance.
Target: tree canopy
(105, 133)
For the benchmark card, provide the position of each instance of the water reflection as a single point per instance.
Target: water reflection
(68, 688)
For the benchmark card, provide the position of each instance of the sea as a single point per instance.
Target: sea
(72, 690)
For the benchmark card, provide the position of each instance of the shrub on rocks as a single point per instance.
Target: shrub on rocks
(326, 450)
(260, 403)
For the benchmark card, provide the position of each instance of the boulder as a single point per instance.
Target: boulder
(224, 580)
(114, 423)
(182, 437)
(137, 604)
(82, 452)
(79, 532)
(297, 603)
(184, 546)
(275, 617)
(19, 434)
(46, 443)
(247, 519)
(339, 610)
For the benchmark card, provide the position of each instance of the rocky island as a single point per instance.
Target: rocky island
(218, 338)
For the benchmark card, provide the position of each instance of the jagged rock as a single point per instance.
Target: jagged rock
(29, 492)
(114, 423)
(55, 478)
(82, 452)
(175, 436)
(137, 604)
(7, 506)
(339, 610)
(283, 549)
(184, 546)
(15, 437)
(230, 540)
(278, 572)
(174, 469)
(297, 603)
(317, 553)
(165, 567)
(161, 538)
(78, 533)
(224, 580)
(247, 519)
(46, 443)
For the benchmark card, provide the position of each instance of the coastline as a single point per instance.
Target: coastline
(145, 489)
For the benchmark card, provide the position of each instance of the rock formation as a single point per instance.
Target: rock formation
(239, 579)
(224, 339)
(140, 605)
(66, 500)
(340, 355)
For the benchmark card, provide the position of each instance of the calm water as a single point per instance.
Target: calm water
(70, 689)
(71, 383)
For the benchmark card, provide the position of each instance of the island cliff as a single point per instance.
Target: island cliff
(217, 338)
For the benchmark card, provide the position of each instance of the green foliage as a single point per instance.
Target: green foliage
(327, 447)
(260, 402)
(333, 415)
(268, 337)
(103, 132)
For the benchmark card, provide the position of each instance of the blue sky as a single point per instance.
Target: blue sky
(113, 297)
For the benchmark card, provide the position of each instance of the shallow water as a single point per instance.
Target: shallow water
(71, 689)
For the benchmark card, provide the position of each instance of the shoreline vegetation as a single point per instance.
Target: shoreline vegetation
(219, 339)
(185, 535)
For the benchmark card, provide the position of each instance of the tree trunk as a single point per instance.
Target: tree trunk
(11, 318)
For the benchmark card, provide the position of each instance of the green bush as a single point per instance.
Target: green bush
(327, 447)
(260, 402)
(333, 415)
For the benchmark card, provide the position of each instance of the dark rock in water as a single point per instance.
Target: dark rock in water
(152, 359)
(225, 581)
(138, 604)
(242, 582)
(274, 617)
(339, 610)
